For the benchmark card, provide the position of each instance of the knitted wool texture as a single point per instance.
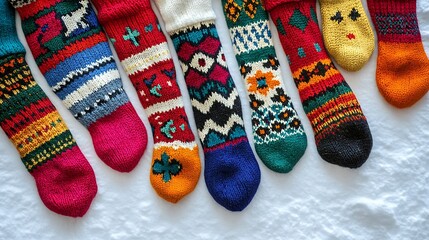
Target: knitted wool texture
(347, 32)
(64, 178)
(340, 128)
(142, 48)
(279, 137)
(402, 64)
(231, 172)
(73, 54)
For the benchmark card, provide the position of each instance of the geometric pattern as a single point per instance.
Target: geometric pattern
(215, 100)
(397, 23)
(252, 37)
(28, 117)
(273, 115)
(71, 50)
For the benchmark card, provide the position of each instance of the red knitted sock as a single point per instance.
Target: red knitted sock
(142, 48)
(340, 128)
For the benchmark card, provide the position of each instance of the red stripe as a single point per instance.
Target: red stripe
(70, 50)
(321, 86)
(328, 106)
(32, 112)
(33, 8)
(223, 145)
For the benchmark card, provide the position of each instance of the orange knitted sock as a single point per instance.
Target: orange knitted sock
(402, 64)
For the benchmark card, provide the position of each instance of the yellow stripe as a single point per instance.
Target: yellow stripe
(38, 133)
(336, 114)
(48, 153)
(312, 66)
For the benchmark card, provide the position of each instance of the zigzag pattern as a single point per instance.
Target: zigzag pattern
(206, 105)
(215, 100)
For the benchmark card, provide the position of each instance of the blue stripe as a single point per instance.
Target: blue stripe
(77, 61)
(105, 109)
(78, 82)
(90, 100)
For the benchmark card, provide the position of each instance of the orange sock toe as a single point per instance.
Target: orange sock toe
(402, 72)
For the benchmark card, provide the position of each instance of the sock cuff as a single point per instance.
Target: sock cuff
(392, 6)
(395, 20)
(271, 4)
(116, 9)
(9, 42)
(179, 14)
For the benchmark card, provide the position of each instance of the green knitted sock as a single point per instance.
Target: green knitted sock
(279, 137)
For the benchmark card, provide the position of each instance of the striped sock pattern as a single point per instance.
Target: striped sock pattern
(231, 172)
(279, 137)
(342, 134)
(73, 54)
(142, 48)
(64, 178)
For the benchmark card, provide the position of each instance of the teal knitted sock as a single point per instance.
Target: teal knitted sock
(280, 140)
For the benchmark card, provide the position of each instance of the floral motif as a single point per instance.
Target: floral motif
(244, 69)
(272, 63)
(263, 132)
(166, 167)
(295, 123)
(262, 83)
(255, 103)
(281, 97)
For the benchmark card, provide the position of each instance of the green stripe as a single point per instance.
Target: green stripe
(321, 100)
(16, 103)
(256, 55)
(48, 147)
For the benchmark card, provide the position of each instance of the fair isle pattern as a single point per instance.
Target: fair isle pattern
(61, 35)
(273, 115)
(217, 107)
(28, 117)
(251, 37)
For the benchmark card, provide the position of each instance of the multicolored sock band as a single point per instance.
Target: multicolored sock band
(73, 54)
(231, 172)
(347, 32)
(402, 64)
(340, 128)
(279, 137)
(64, 178)
(142, 48)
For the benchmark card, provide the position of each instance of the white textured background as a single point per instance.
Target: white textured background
(387, 198)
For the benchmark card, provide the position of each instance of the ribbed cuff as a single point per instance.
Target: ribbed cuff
(179, 14)
(271, 4)
(9, 42)
(392, 6)
(116, 9)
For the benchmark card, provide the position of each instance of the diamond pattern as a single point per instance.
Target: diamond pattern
(250, 6)
(298, 20)
(202, 62)
(232, 10)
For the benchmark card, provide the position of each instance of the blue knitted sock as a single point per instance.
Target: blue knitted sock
(231, 171)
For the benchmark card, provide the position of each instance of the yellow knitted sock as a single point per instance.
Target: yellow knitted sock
(347, 32)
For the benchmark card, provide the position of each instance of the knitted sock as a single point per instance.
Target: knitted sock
(73, 54)
(341, 131)
(279, 137)
(402, 64)
(64, 178)
(347, 32)
(231, 171)
(142, 48)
